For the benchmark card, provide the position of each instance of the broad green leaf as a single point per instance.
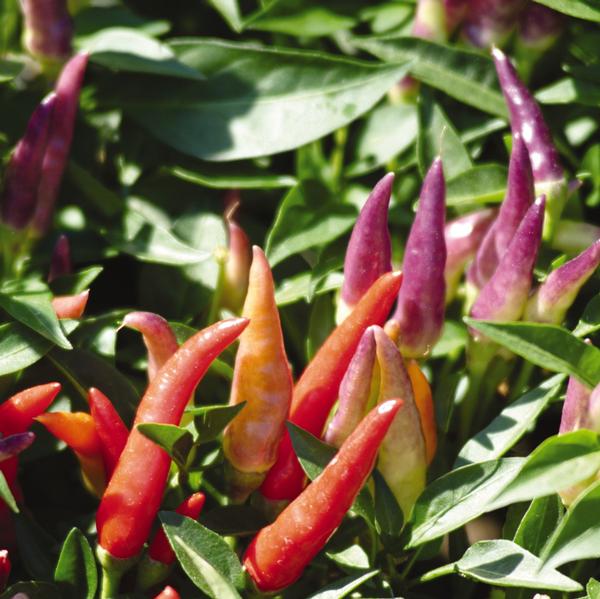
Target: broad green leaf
(123, 49)
(343, 587)
(438, 137)
(149, 242)
(76, 571)
(582, 9)
(548, 346)
(176, 441)
(478, 185)
(458, 497)
(32, 590)
(503, 563)
(590, 319)
(9, 69)
(353, 557)
(35, 311)
(330, 262)
(557, 463)
(256, 101)
(510, 425)
(538, 523)
(389, 518)
(306, 218)
(375, 146)
(577, 537)
(75, 282)
(6, 494)
(234, 520)
(205, 557)
(223, 176)
(468, 76)
(210, 421)
(593, 589)
(570, 91)
(299, 287)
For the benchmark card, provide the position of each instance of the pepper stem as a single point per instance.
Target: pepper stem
(113, 569)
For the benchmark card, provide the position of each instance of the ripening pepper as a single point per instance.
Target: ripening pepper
(111, 430)
(168, 593)
(60, 261)
(421, 301)
(5, 567)
(159, 339)
(430, 20)
(369, 252)
(78, 431)
(455, 13)
(519, 197)
(280, 552)
(527, 120)
(425, 406)
(504, 296)
(573, 237)
(490, 22)
(13, 445)
(317, 389)
(261, 378)
(463, 236)
(70, 306)
(134, 493)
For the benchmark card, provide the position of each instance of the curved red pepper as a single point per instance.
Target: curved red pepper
(278, 554)
(134, 493)
(317, 390)
(168, 593)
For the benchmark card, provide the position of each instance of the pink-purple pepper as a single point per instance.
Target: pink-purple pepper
(13, 445)
(490, 22)
(60, 262)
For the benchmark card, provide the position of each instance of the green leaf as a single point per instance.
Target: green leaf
(570, 91)
(503, 563)
(538, 523)
(223, 176)
(230, 11)
(176, 441)
(211, 420)
(590, 319)
(478, 185)
(306, 218)
(76, 568)
(468, 76)
(353, 557)
(205, 557)
(256, 101)
(548, 346)
(36, 548)
(33, 590)
(556, 464)
(510, 425)
(458, 497)
(593, 589)
(375, 147)
(343, 587)
(6, 494)
(320, 324)
(454, 338)
(102, 199)
(299, 287)
(98, 18)
(123, 49)
(9, 69)
(389, 518)
(75, 282)
(438, 137)
(577, 536)
(582, 9)
(149, 242)
(34, 309)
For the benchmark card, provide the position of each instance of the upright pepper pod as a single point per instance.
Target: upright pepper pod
(554, 296)
(504, 296)
(490, 22)
(402, 455)
(527, 120)
(280, 552)
(425, 406)
(159, 339)
(70, 306)
(77, 430)
(60, 261)
(132, 498)
(261, 378)
(421, 301)
(317, 389)
(23, 172)
(369, 252)
(519, 197)
(463, 236)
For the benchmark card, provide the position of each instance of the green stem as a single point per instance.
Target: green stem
(411, 562)
(432, 575)
(113, 569)
(337, 155)
(521, 382)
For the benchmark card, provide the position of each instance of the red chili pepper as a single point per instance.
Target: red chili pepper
(168, 593)
(135, 490)
(278, 554)
(18, 412)
(70, 306)
(110, 428)
(5, 567)
(317, 390)
(160, 550)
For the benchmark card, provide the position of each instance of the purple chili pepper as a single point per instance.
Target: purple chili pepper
(555, 295)
(14, 444)
(539, 26)
(490, 22)
(67, 90)
(504, 296)
(519, 196)
(526, 118)
(421, 301)
(355, 391)
(60, 263)
(455, 13)
(572, 237)
(463, 235)
(369, 250)
(575, 407)
(48, 29)
(24, 168)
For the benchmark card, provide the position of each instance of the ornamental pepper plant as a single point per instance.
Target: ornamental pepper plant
(299, 299)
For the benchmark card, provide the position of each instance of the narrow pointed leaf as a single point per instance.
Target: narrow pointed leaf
(76, 571)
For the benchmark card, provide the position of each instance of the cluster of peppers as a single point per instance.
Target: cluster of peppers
(368, 364)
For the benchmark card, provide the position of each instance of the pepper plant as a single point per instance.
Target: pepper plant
(299, 299)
